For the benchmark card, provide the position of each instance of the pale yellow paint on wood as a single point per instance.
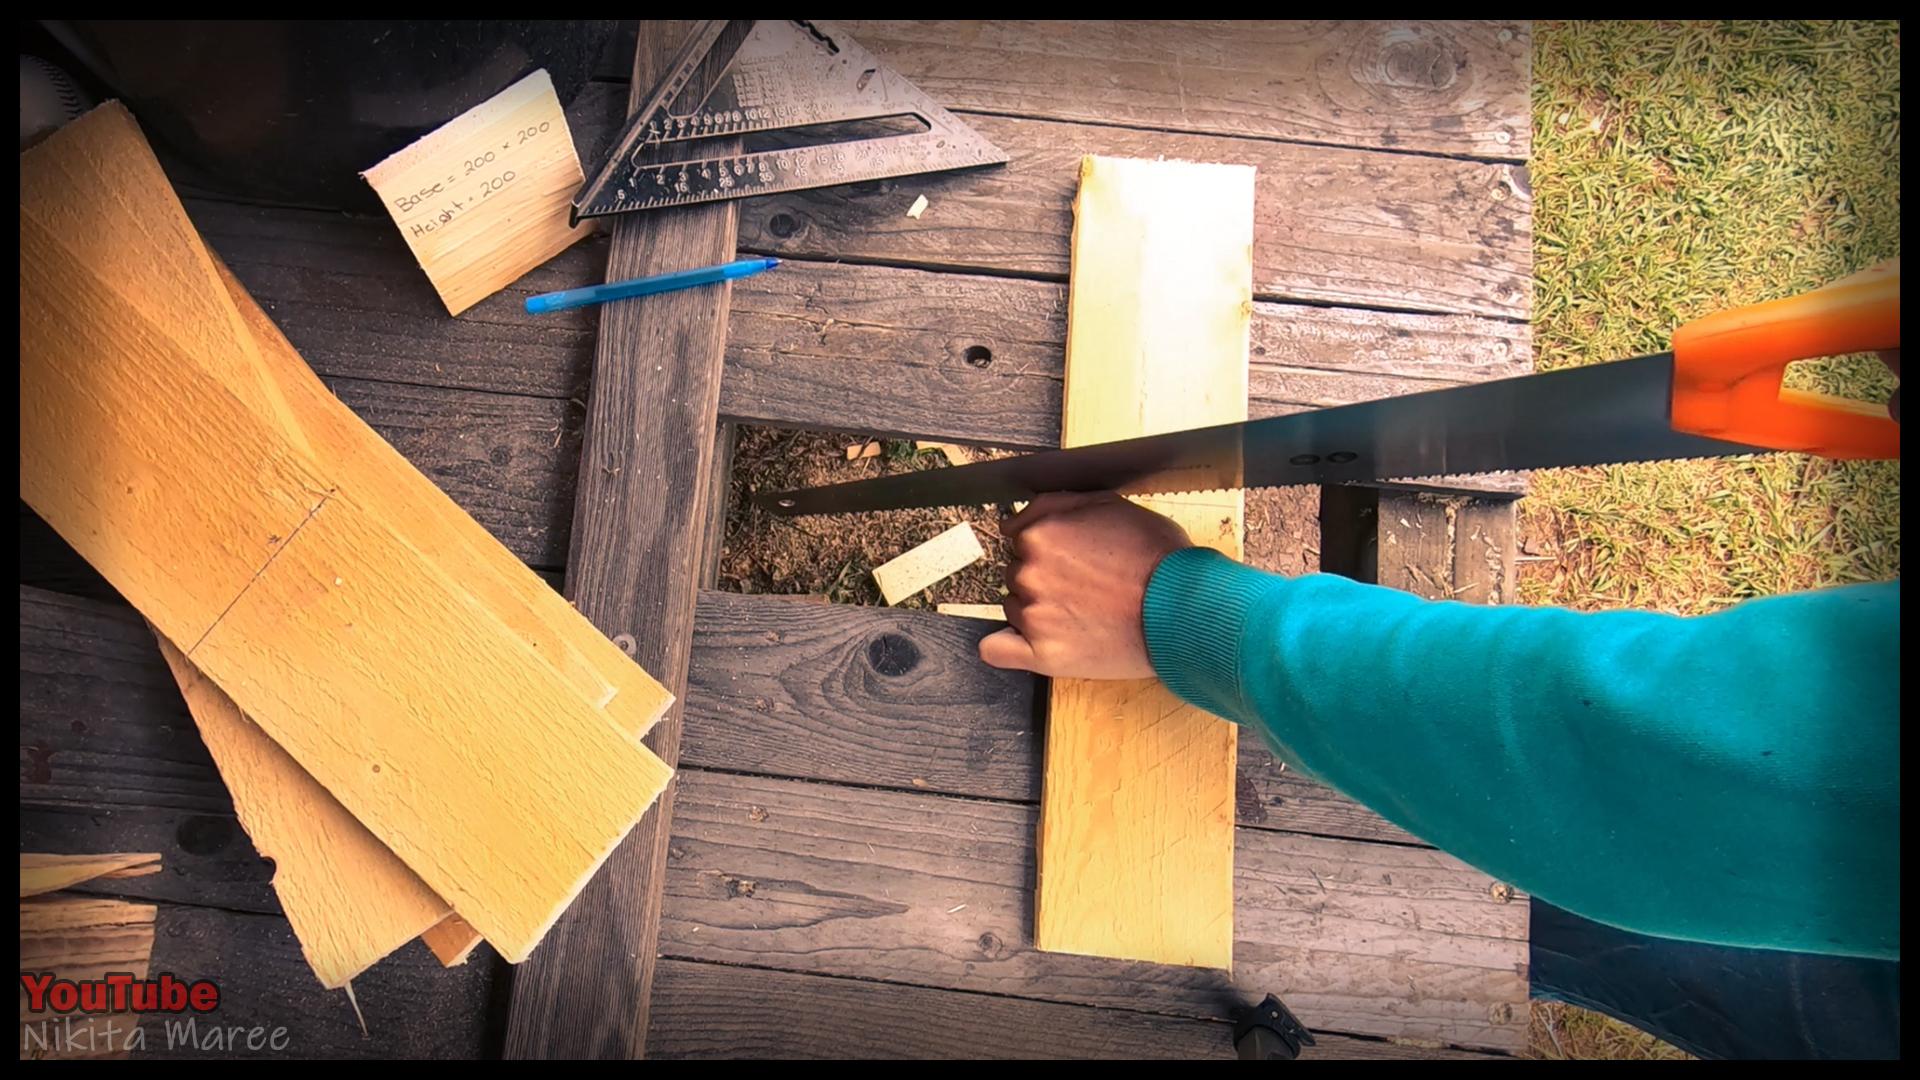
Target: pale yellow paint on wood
(452, 940)
(445, 736)
(350, 900)
(1136, 829)
(76, 938)
(973, 611)
(928, 564)
(485, 198)
(188, 498)
(47, 873)
(858, 451)
(96, 190)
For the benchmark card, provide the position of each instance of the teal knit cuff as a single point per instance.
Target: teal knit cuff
(1196, 609)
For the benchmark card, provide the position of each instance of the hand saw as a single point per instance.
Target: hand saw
(1717, 392)
(747, 77)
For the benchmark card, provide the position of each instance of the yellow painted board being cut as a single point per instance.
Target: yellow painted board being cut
(350, 900)
(503, 788)
(930, 563)
(1136, 809)
(48, 873)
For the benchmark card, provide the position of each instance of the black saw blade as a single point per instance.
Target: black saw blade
(1596, 415)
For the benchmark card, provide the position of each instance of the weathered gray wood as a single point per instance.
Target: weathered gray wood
(895, 698)
(1485, 553)
(1357, 938)
(636, 563)
(1331, 225)
(1334, 226)
(813, 344)
(414, 1008)
(719, 1011)
(206, 859)
(1442, 87)
(1416, 545)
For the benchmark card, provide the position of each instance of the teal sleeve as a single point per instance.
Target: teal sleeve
(1729, 778)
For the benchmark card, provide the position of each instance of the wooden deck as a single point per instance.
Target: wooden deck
(851, 863)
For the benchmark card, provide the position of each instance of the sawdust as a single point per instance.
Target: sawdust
(834, 555)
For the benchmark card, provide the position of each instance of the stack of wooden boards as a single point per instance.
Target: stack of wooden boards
(423, 736)
(70, 936)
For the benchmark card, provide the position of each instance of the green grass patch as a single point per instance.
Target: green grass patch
(1680, 169)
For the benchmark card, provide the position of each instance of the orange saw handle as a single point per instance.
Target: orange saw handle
(1727, 369)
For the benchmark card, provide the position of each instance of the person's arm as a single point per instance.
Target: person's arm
(1730, 778)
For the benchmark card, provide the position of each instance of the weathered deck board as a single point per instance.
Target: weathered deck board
(1448, 88)
(813, 339)
(1361, 938)
(699, 1006)
(805, 846)
(1331, 225)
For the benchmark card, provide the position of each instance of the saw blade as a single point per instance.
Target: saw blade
(1596, 415)
(752, 76)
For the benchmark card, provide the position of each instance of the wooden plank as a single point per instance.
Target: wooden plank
(927, 564)
(488, 195)
(1136, 832)
(889, 348)
(1456, 88)
(1438, 87)
(717, 1011)
(100, 361)
(636, 563)
(45, 873)
(873, 696)
(1334, 226)
(350, 899)
(1357, 938)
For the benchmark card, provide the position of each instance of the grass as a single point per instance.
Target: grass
(1680, 169)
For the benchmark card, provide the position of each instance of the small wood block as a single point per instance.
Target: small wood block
(955, 453)
(929, 563)
(46, 873)
(868, 449)
(486, 198)
(973, 611)
(350, 900)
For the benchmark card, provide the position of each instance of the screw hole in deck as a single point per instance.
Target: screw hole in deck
(979, 355)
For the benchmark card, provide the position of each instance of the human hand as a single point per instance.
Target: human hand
(1076, 583)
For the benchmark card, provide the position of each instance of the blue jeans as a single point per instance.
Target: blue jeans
(1718, 1002)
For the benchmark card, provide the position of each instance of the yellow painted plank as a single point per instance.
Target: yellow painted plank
(350, 900)
(505, 788)
(486, 197)
(928, 564)
(47, 873)
(1136, 829)
(447, 738)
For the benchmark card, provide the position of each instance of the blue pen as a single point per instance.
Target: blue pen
(647, 286)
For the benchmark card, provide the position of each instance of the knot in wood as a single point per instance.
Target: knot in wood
(893, 655)
(1411, 59)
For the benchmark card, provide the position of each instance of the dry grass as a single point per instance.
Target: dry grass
(1680, 169)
